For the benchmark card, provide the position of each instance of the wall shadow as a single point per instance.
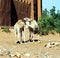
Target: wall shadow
(14, 16)
(35, 10)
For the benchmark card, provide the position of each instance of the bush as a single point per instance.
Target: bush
(5, 29)
(46, 25)
(57, 30)
(49, 22)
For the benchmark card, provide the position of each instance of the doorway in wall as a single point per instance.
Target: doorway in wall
(14, 16)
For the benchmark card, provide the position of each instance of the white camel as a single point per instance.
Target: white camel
(33, 26)
(25, 23)
(18, 29)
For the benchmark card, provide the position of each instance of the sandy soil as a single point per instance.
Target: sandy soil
(34, 49)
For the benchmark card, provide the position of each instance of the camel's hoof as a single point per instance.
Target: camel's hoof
(31, 40)
(18, 42)
(23, 41)
(36, 40)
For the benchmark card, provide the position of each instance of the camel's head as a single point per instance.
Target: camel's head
(27, 19)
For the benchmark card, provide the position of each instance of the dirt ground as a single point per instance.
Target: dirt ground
(34, 49)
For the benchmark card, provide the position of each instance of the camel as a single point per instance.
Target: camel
(25, 23)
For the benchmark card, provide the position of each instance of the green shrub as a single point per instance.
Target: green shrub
(57, 30)
(5, 29)
(44, 32)
(49, 22)
(46, 24)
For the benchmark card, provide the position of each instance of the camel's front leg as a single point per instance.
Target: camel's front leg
(31, 36)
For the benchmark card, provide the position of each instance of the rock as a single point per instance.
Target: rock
(49, 45)
(27, 54)
(56, 44)
(2, 51)
(52, 44)
(16, 55)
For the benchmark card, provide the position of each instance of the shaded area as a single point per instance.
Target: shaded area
(14, 16)
(35, 10)
(12, 10)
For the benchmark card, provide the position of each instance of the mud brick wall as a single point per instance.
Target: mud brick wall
(23, 9)
(12, 10)
(5, 12)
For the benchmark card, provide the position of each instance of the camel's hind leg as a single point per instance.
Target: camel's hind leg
(20, 35)
(15, 30)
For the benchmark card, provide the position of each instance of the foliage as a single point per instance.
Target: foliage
(5, 29)
(45, 13)
(49, 21)
(45, 25)
(52, 12)
(57, 30)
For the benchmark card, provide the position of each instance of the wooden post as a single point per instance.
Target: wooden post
(39, 8)
(32, 10)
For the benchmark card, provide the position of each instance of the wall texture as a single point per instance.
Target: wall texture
(12, 10)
